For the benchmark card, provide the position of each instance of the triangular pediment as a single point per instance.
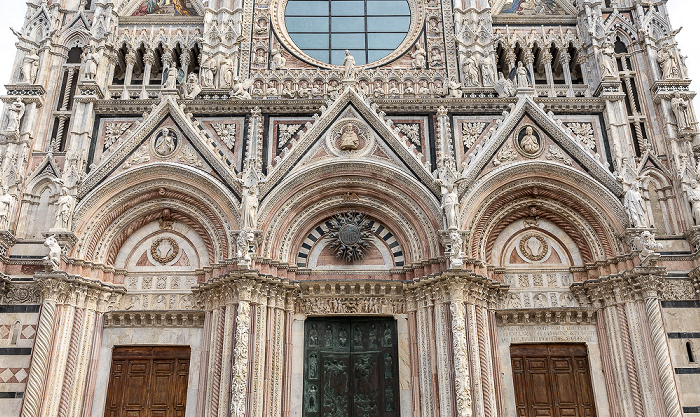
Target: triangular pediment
(533, 8)
(557, 146)
(192, 145)
(356, 118)
(78, 22)
(139, 8)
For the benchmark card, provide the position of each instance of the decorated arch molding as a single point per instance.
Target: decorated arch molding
(402, 204)
(585, 210)
(120, 206)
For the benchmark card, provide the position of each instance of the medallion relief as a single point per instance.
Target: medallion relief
(164, 250)
(350, 137)
(164, 143)
(529, 142)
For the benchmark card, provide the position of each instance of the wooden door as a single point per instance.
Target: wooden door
(351, 368)
(148, 381)
(552, 381)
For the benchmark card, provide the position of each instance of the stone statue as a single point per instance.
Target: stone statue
(53, 259)
(64, 214)
(634, 204)
(488, 72)
(207, 73)
(456, 254)
(693, 193)
(30, 67)
(165, 144)
(90, 64)
(681, 109)
(471, 72)
(607, 60)
(418, 57)
(14, 115)
(504, 87)
(226, 72)
(669, 65)
(240, 89)
(450, 200)
(249, 207)
(7, 201)
(455, 89)
(349, 65)
(529, 143)
(171, 79)
(521, 76)
(647, 245)
(349, 141)
(192, 87)
(277, 61)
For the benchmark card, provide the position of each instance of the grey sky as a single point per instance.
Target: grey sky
(685, 13)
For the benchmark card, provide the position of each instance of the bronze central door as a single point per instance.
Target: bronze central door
(350, 368)
(552, 381)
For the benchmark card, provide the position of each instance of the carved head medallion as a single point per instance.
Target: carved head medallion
(528, 142)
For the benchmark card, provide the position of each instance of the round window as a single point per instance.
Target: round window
(369, 29)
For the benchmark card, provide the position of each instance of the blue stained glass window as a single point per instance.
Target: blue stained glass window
(370, 29)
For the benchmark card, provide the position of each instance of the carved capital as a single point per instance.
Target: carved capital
(61, 288)
(637, 284)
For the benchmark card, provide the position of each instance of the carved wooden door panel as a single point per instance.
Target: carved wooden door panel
(148, 382)
(552, 381)
(351, 368)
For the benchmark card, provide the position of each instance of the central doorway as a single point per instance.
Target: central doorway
(351, 367)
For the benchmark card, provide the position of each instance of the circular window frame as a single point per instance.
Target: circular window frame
(415, 27)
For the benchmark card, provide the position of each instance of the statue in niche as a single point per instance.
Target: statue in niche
(488, 72)
(7, 202)
(14, 115)
(504, 87)
(607, 60)
(64, 213)
(530, 143)
(277, 61)
(226, 72)
(349, 139)
(249, 181)
(471, 72)
(261, 26)
(192, 87)
(90, 62)
(634, 204)
(207, 73)
(171, 79)
(418, 57)
(30, 67)
(450, 201)
(166, 142)
(349, 66)
(521, 76)
(681, 109)
(260, 58)
(669, 66)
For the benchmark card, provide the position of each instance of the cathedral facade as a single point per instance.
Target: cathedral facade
(349, 208)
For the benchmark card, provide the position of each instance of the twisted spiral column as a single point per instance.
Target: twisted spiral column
(663, 358)
(37, 374)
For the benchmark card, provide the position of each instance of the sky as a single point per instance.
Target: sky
(684, 13)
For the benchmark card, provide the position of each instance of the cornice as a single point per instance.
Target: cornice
(550, 316)
(121, 319)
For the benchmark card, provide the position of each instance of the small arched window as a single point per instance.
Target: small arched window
(689, 350)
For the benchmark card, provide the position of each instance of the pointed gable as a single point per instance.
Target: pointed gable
(561, 147)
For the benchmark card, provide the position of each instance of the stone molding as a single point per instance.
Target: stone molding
(637, 284)
(27, 292)
(550, 316)
(62, 288)
(121, 319)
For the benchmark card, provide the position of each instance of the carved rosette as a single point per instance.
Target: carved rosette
(350, 233)
(461, 361)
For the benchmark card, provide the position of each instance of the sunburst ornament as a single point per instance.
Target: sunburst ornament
(350, 233)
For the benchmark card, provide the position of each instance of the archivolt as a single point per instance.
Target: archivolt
(309, 196)
(111, 212)
(591, 217)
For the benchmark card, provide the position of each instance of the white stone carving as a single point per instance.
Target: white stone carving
(191, 89)
(504, 86)
(139, 156)
(411, 131)
(607, 60)
(15, 112)
(7, 205)
(471, 132)
(461, 360)
(64, 212)
(506, 154)
(349, 66)
(584, 134)
(647, 245)
(683, 112)
(634, 204)
(114, 131)
(669, 65)
(556, 154)
(521, 76)
(227, 133)
(239, 377)
(30, 67)
(53, 259)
